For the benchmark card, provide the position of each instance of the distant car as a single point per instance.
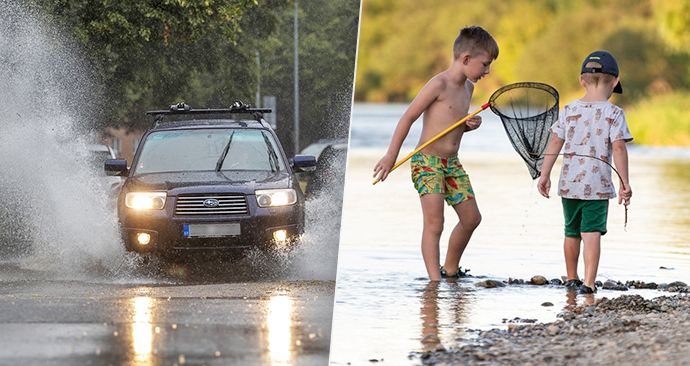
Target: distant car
(97, 156)
(204, 179)
(331, 157)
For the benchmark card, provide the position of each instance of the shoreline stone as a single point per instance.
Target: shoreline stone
(627, 330)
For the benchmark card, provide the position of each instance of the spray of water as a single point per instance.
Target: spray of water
(53, 206)
(317, 257)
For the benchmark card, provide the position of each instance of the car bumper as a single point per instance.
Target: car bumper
(168, 232)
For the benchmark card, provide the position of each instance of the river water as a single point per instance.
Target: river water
(385, 308)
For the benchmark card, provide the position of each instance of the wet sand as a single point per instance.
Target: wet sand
(627, 330)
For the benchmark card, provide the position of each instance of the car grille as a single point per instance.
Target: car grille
(228, 205)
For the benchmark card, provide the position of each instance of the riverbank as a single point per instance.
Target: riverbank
(627, 330)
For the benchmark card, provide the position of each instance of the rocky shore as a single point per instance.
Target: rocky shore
(627, 330)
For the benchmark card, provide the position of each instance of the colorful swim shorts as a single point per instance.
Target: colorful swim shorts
(434, 174)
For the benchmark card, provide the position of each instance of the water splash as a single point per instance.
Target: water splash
(317, 257)
(52, 206)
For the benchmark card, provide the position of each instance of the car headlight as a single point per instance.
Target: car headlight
(145, 200)
(276, 197)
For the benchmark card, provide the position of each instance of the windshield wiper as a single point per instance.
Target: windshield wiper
(272, 157)
(219, 164)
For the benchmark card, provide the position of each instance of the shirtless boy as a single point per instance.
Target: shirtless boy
(436, 171)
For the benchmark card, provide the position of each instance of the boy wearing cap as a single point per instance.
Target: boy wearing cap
(436, 172)
(589, 130)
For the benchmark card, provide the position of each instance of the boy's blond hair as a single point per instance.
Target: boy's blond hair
(596, 78)
(475, 39)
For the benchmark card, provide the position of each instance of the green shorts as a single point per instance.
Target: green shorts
(434, 174)
(584, 216)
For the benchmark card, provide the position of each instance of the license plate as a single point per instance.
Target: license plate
(210, 230)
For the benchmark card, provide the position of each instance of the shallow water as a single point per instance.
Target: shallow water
(385, 308)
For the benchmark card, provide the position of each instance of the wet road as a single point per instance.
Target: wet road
(175, 316)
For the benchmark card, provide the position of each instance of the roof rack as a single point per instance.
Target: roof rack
(238, 107)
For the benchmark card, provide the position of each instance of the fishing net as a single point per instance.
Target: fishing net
(527, 110)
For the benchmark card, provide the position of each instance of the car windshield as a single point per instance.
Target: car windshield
(203, 149)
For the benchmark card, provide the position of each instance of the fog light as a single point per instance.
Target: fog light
(280, 235)
(144, 238)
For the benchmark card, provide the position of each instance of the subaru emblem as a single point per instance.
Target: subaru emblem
(211, 202)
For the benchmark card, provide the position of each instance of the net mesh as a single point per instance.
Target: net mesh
(527, 110)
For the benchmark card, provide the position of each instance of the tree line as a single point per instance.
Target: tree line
(150, 54)
(404, 43)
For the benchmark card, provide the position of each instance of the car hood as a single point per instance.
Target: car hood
(209, 182)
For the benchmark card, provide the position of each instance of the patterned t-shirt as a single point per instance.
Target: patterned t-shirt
(589, 129)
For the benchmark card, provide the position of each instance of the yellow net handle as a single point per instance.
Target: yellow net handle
(438, 136)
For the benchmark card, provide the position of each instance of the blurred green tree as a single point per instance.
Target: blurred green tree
(152, 54)
(404, 43)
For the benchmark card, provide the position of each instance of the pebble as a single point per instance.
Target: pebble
(538, 280)
(489, 284)
(614, 285)
(481, 355)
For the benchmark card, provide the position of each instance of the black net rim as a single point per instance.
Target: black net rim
(527, 84)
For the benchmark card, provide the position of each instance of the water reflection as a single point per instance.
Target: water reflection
(279, 326)
(434, 318)
(429, 316)
(142, 330)
(571, 301)
(675, 176)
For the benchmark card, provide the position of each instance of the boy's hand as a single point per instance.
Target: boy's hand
(473, 123)
(544, 185)
(624, 195)
(383, 167)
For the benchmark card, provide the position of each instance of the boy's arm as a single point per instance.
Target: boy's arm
(550, 157)
(472, 123)
(421, 102)
(620, 159)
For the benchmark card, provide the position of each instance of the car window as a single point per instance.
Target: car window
(200, 150)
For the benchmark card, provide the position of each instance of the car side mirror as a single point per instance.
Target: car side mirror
(116, 167)
(304, 163)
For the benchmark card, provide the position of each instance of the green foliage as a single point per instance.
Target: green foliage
(673, 18)
(662, 120)
(327, 45)
(150, 54)
(404, 43)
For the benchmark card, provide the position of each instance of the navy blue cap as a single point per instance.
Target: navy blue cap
(608, 66)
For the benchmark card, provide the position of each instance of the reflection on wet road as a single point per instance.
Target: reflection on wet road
(278, 324)
(149, 321)
(142, 329)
